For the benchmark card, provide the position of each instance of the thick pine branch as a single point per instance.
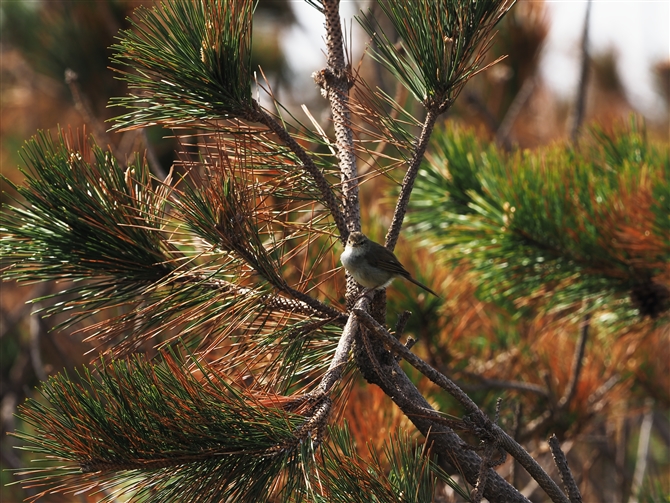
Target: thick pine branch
(380, 368)
(335, 84)
(482, 424)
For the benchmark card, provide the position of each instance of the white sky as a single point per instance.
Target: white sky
(638, 30)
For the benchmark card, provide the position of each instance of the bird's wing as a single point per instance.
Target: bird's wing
(388, 262)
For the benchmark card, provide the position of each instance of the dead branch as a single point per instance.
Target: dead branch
(566, 475)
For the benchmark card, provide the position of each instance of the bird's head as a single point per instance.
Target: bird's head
(356, 239)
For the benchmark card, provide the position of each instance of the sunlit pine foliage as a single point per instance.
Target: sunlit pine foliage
(561, 228)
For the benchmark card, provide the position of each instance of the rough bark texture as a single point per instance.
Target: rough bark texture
(447, 444)
(335, 82)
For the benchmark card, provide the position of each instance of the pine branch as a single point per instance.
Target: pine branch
(443, 45)
(199, 307)
(156, 430)
(84, 214)
(408, 182)
(577, 363)
(189, 62)
(221, 212)
(86, 218)
(431, 424)
(559, 221)
(486, 429)
(335, 82)
(328, 197)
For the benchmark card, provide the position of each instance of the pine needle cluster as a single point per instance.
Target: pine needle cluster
(228, 334)
(565, 229)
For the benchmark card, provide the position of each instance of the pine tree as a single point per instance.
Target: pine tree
(229, 265)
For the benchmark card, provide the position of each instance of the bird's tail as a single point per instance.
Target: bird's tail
(422, 286)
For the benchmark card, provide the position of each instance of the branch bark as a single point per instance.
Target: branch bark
(566, 475)
(580, 106)
(481, 420)
(577, 364)
(408, 182)
(335, 82)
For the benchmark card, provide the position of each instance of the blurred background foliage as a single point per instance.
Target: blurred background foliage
(54, 70)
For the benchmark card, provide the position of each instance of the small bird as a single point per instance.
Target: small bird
(373, 265)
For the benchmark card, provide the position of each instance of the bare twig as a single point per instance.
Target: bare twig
(400, 328)
(642, 451)
(482, 421)
(566, 475)
(403, 318)
(497, 384)
(315, 304)
(602, 391)
(503, 132)
(439, 436)
(580, 106)
(432, 374)
(516, 429)
(410, 176)
(577, 364)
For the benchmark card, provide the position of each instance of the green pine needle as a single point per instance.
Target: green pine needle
(169, 431)
(84, 216)
(107, 232)
(221, 212)
(403, 472)
(554, 227)
(189, 61)
(443, 44)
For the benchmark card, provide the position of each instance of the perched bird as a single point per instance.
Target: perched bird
(372, 265)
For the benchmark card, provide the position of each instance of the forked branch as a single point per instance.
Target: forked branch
(487, 428)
